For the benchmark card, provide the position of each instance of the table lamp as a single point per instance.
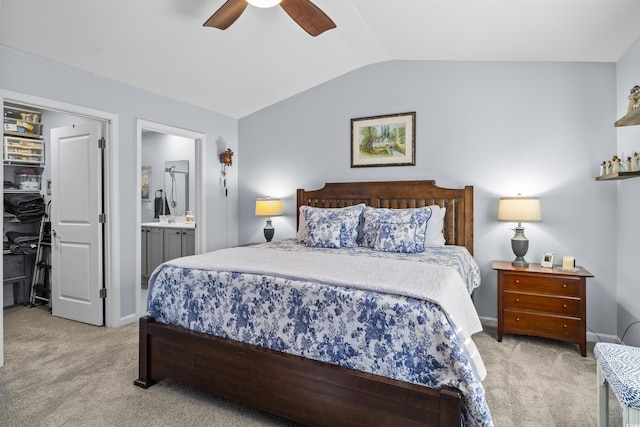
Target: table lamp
(268, 207)
(519, 209)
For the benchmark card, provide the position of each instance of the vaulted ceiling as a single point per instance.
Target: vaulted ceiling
(264, 57)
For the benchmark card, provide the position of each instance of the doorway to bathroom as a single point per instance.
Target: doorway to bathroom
(171, 200)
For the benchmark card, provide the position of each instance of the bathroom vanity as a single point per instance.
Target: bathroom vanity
(163, 241)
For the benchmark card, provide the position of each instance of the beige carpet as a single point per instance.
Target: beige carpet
(63, 373)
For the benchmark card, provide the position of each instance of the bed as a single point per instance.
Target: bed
(303, 339)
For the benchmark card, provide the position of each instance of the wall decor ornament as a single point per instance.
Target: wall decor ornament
(617, 165)
(383, 140)
(226, 159)
(634, 99)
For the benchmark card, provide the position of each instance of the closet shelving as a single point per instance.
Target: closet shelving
(23, 149)
(23, 159)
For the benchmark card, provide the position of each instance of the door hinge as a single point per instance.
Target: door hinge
(103, 293)
(102, 143)
(102, 218)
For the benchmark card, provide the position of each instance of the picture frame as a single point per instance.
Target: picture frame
(145, 190)
(387, 140)
(547, 260)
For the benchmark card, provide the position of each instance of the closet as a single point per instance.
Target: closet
(24, 204)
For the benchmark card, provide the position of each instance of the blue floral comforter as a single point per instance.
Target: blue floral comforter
(401, 337)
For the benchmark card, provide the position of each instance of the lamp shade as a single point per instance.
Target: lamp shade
(519, 209)
(268, 207)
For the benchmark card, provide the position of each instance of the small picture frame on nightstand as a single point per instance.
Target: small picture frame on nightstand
(547, 260)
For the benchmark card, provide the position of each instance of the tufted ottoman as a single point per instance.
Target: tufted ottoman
(619, 367)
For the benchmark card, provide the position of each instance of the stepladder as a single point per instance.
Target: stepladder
(41, 278)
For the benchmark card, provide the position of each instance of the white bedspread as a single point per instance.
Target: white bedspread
(438, 284)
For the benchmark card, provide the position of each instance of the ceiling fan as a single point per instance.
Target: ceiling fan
(306, 14)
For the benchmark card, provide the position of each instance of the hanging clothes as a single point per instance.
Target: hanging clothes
(159, 201)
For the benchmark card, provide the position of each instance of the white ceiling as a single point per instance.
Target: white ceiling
(264, 57)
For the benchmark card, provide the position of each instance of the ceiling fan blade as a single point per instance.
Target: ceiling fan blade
(227, 14)
(309, 16)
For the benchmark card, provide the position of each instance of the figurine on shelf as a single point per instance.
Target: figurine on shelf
(634, 99)
(635, 166)
(628, 165)
(609, 168)
(616, 164)
(603, 168)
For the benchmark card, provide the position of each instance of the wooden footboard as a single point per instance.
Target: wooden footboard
(303, 390)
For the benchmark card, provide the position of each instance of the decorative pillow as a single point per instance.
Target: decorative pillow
(435, 237)
(395, 230)
(400, 237)
(324, 234)
(325, 221)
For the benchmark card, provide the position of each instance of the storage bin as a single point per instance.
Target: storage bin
(23, 150)
(27, 181)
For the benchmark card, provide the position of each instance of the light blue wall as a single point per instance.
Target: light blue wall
(535, 128)
(540, 129)
(628, 231)
(31, 75)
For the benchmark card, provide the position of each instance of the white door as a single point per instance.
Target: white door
(76, 244)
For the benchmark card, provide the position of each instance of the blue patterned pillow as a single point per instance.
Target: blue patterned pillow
(324, 234)
(323, 224)
(396, 230)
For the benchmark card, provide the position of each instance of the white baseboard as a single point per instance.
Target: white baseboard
(489, 321)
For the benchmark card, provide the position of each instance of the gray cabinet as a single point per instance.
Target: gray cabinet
(172, 243)
(163, 244)
(188, 242)
(179, 242)
(152, 249)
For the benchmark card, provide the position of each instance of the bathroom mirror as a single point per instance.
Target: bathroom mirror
(176, 186)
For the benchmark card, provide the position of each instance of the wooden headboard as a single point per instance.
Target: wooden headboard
(458, 222)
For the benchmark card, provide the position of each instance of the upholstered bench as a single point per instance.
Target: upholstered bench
(618, 367)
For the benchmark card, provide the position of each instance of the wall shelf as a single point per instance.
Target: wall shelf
(631, 119)
(617, 176)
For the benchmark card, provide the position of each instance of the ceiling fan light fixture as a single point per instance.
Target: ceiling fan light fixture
(264, 3)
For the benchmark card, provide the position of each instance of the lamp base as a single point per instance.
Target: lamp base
(520, 246)
(520, 262)
(269, 231)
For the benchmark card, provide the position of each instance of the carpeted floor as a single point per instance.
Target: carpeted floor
(63, 373)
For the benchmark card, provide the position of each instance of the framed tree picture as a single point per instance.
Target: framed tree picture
(146, 184)
(384, 140)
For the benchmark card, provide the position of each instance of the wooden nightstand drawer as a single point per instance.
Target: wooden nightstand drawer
(567, 306)
(545, 302)
(543, 284)
(541, 324)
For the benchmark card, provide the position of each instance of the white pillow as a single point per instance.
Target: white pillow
(435, 237)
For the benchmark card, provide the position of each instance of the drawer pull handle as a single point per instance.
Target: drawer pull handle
(564, 286)
(517, 319)
(564, 305)
(517, 299)
(564, 326)
(517, 281)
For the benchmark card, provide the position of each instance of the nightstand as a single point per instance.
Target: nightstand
(544, 302)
